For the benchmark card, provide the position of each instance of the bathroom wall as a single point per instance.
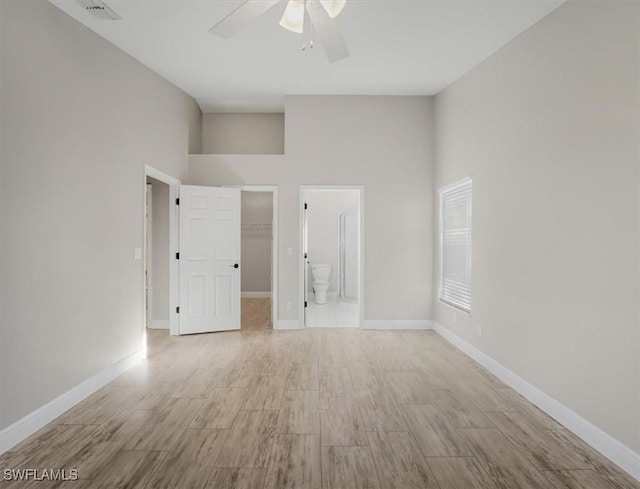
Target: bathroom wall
(257, 208)
(250, 133)
(324, 208)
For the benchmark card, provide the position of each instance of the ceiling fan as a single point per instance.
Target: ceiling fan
(299, 16)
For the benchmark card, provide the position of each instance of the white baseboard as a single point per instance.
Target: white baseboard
(32, 422)
(158, 324)
(617, 452)
(255, 295)
(397, 324)
(288, 324)
(333, 326)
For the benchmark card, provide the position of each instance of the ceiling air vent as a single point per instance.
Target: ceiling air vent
(98, 9)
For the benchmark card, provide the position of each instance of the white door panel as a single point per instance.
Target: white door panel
(306, 261)
(209, 253)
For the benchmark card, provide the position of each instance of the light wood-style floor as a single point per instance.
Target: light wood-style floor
(256, 314)
(311, 409)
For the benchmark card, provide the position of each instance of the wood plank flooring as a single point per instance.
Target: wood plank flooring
(256, 314)
(316, 409)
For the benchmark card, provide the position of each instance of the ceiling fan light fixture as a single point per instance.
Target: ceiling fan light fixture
(333, 7)
(293, 17)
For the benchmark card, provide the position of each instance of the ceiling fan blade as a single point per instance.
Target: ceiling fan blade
(241, 17)
(328, 31)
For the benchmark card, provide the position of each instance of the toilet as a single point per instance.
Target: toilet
(321, 274)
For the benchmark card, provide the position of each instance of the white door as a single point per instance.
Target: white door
(306, 261)
(209, 259)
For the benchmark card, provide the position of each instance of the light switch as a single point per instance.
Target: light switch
(137, 253)
(289, 251)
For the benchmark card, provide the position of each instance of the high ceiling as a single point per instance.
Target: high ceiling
(398, 47)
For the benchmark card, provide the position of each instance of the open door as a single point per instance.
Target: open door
(209, 259)
(306, 261)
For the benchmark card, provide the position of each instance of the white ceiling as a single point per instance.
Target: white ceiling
(398, 47)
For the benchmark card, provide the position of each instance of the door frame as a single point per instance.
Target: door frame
(301, 259)
(174, 283)
(274, 243)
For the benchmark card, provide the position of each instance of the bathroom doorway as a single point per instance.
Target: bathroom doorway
(258, 242)
(332, 256)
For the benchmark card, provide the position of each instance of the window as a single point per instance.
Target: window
(455, 245)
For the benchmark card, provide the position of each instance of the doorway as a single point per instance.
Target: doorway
(259, 258)
(160, 270)
(157, 254)
(255, 240)
(180, 231)
(332, 278)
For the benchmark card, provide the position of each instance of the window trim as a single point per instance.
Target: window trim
(441, 190)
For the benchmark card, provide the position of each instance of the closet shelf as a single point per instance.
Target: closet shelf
(256, 225)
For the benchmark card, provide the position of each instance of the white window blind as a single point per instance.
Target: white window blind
(455, 245)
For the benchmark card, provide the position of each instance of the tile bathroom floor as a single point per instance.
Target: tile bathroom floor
(333, 314)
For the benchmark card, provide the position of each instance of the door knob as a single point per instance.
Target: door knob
(235, 265)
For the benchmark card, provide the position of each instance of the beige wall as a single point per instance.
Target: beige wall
(383, 143)
(80, 119)
(243, 133)
(159, 251)
(548, 127)
(257, 208)
(323, 225)
(3, 215)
